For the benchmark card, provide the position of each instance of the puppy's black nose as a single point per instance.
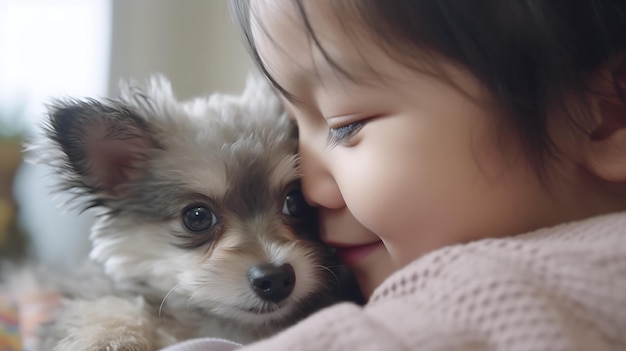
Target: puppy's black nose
(271, 282)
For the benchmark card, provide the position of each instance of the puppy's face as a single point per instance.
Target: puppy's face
(201, 199)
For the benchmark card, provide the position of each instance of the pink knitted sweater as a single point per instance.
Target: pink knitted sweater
(561, 288)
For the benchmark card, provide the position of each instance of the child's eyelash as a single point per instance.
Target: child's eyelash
(342, 134)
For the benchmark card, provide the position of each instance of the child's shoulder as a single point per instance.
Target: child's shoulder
(556, 281)
(594, 243)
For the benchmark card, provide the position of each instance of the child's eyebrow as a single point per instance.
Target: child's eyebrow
(293, 100)
(327, 74)
(287, 96)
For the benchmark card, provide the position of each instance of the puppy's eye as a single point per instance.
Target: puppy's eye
(294, 205)
(198, 218)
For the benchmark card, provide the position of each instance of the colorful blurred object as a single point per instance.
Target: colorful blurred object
(12, 240)
(9, 326)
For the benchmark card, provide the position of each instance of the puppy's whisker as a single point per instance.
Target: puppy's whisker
(189, 302)
(165, 298)
(331, 272)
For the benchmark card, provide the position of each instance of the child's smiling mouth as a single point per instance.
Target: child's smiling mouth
(353, 254)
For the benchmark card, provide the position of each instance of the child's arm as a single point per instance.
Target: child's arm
(342, 327)
(205, 344)
(350, 327)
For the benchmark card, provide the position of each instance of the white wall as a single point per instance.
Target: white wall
(51, 49)
(193, 42)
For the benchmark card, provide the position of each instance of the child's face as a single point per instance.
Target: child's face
(417, 164)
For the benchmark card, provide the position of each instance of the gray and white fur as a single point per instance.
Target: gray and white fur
(201, 230)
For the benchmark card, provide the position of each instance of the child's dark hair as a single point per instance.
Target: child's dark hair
(531, 54)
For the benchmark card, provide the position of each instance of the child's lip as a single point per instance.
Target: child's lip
(353, 254)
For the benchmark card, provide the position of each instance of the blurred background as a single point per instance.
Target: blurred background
(82, 48)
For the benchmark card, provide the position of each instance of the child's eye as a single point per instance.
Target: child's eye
(341, 135)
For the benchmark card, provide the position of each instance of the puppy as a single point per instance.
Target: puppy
(202, 229)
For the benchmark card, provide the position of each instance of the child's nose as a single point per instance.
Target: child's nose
(318, 184)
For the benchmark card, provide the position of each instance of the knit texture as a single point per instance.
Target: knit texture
(560, 288)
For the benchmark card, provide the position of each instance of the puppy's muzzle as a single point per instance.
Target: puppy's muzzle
(272, 283)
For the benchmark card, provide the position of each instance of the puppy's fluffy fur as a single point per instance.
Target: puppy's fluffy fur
(202, 230)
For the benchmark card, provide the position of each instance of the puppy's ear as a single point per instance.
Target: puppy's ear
(104, 145)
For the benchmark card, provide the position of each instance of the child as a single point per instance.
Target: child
(468, 159)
